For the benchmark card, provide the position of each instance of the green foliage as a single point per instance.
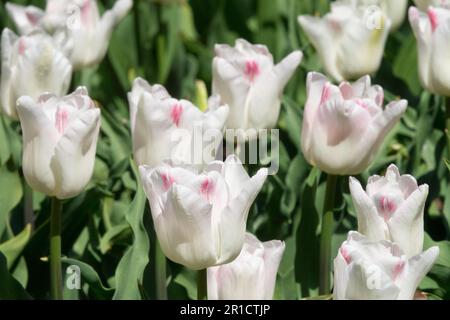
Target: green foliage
(106, 228)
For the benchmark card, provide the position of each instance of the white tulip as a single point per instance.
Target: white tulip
(164, 128)
(31, 65)
(77, 25)
(391, 208)
(378, 270)
(200, 218)
(251, 276)
(344, 126)
(247, 80)
(433, 41)
(59, 142)
(349, 40)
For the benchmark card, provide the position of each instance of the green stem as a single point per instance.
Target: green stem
(28, 213)
(447, 124)
(202, 285)
(160, 273)
(325, 236)
(55, 250)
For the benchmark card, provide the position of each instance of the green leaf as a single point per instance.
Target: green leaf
(10, 195)
(131, 267)
(405, 64)
(12, 248)
(90, 276)
(5, 151)
(307, 239)
(10, 288)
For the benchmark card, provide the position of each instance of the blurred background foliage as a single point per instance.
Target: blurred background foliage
(107, 230)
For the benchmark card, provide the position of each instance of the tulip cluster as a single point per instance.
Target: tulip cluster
(384, 259)
(200, 204)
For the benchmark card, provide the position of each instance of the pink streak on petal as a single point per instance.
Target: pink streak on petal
(61, 119)
(398, 269)
(22, 46)
(345, 254)
(361, 103)
(206, 188)
(252, 69)
(167, 181)
(387, 207)
(175, 113)
(86, 10)
(326, 93)
(432, 15)
(32, 18)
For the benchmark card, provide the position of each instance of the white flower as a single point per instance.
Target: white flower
(77, 26)
(344, 126)
(200, 218)
(368, 270)
(391, 208)
(246, 79)
(251, 276)
(350, 44)
(164, 128)
(432, 31)
(59, 142)
(31, 65)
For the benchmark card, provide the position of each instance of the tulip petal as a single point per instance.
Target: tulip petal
(235, 175)
(185, 229)
(369, 222)
(43, 68)
(7, 98)
(418, 267)
(406, 225)
(273, 253)
(39, 141)
(232, 224)
(73, 163)
(322, 38)
(232, 87)
(25, 18)
(359, 280)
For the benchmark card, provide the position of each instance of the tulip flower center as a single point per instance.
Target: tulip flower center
(387, 207)
(167, 181)
(326, 93)
(85, 11)
(432, 15)
(206, 187)
(22, 46)
(345, 254)
(175, 113)
(398, 269)
(61, 119)
(251, 69)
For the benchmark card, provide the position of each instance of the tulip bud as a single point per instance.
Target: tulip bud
(31, 65)
(77, 25)
(343, 127)
(349, 40)
(378, 270)
(247, 80)
(432, 33)
(251, 276)
(391, 208)
(164, 128)
(59, 142)
(200, 218)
